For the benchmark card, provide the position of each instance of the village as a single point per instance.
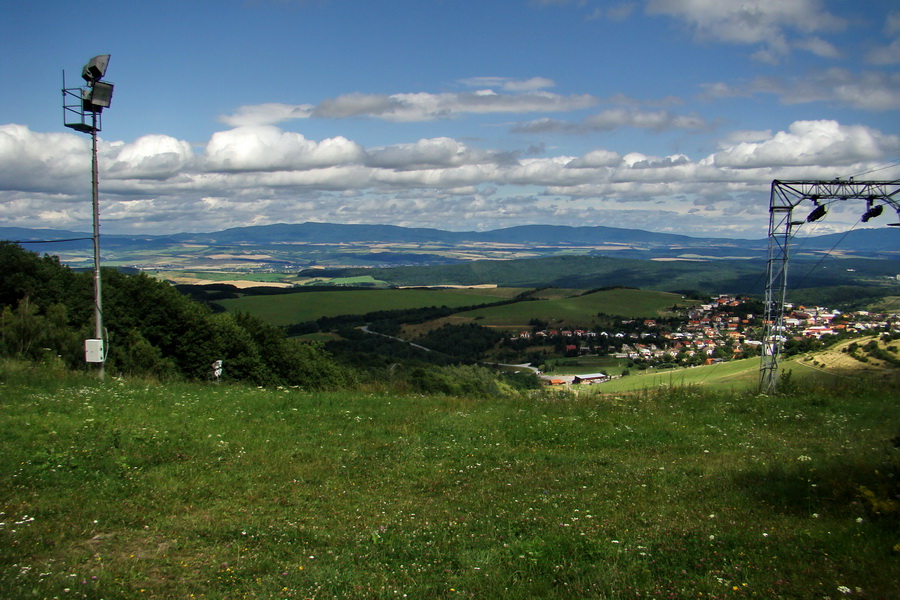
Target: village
(724, 328)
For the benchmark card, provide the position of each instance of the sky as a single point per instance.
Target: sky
(664, 115)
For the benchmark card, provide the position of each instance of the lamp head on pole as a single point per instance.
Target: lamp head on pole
(82, 105)
(95, 69)
(98, 96)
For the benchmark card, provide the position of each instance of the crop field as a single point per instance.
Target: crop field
(132, 489)
(219, 276)
(286, 309)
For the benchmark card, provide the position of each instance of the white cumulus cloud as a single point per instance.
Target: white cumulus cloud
(34, 161)
(151, 157)
(267, 148)
(809, 143)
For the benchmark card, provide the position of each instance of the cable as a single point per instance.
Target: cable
(827, 254)
(881, 167)
(48, 241)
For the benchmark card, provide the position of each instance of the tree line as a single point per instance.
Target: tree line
(46, 313)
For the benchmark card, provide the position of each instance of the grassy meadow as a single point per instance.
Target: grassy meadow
(732, 375)
(578, 309)
(133, 489)
(555, 306)
(300, 307)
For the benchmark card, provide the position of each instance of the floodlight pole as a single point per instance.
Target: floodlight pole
(77, 104)
(95, 203)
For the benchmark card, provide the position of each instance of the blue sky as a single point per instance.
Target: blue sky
(665, 115)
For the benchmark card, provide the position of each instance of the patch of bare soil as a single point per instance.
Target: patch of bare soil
(238, 283)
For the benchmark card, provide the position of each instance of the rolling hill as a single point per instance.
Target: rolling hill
(295, 239)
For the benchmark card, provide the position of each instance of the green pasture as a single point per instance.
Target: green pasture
(301, 307)
(577, 310)
(730, 375)
(132, 489)
(582, 365)
(359, 280)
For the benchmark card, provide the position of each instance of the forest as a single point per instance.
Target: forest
(152, 329)
(155, 331)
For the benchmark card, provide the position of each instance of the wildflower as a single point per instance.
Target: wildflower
(843, 589)
(859, 519)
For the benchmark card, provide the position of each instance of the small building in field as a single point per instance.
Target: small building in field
(590, 378)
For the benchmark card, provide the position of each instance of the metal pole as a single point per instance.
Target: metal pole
(95, 192)
(780, 215)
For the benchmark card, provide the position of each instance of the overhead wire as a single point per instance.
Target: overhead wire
(828, 253)
(880, 167)
(48, 241)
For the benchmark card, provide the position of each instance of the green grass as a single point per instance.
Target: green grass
(731, 375)
(138, 490)
(582, 365)
(286, 309)
(362, 279)
(735, 375)
(577, 310)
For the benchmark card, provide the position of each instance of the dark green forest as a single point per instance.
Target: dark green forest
(865, 277)
(152, 329)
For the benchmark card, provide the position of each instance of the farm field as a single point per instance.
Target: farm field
(577, 310)
(139, 490)
(554, 306)
(300, 307)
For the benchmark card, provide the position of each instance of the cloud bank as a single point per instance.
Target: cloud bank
(262, 174)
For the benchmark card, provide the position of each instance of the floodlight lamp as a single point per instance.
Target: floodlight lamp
(101, 94)
(873, 212)
(95, 69)
(817, 213)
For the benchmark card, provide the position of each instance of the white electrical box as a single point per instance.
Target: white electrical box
(93, 351)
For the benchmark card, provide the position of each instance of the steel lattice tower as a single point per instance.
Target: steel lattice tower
(784, 198)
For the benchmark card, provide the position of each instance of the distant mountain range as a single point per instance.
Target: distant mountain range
(864, 240)
(543, 239)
